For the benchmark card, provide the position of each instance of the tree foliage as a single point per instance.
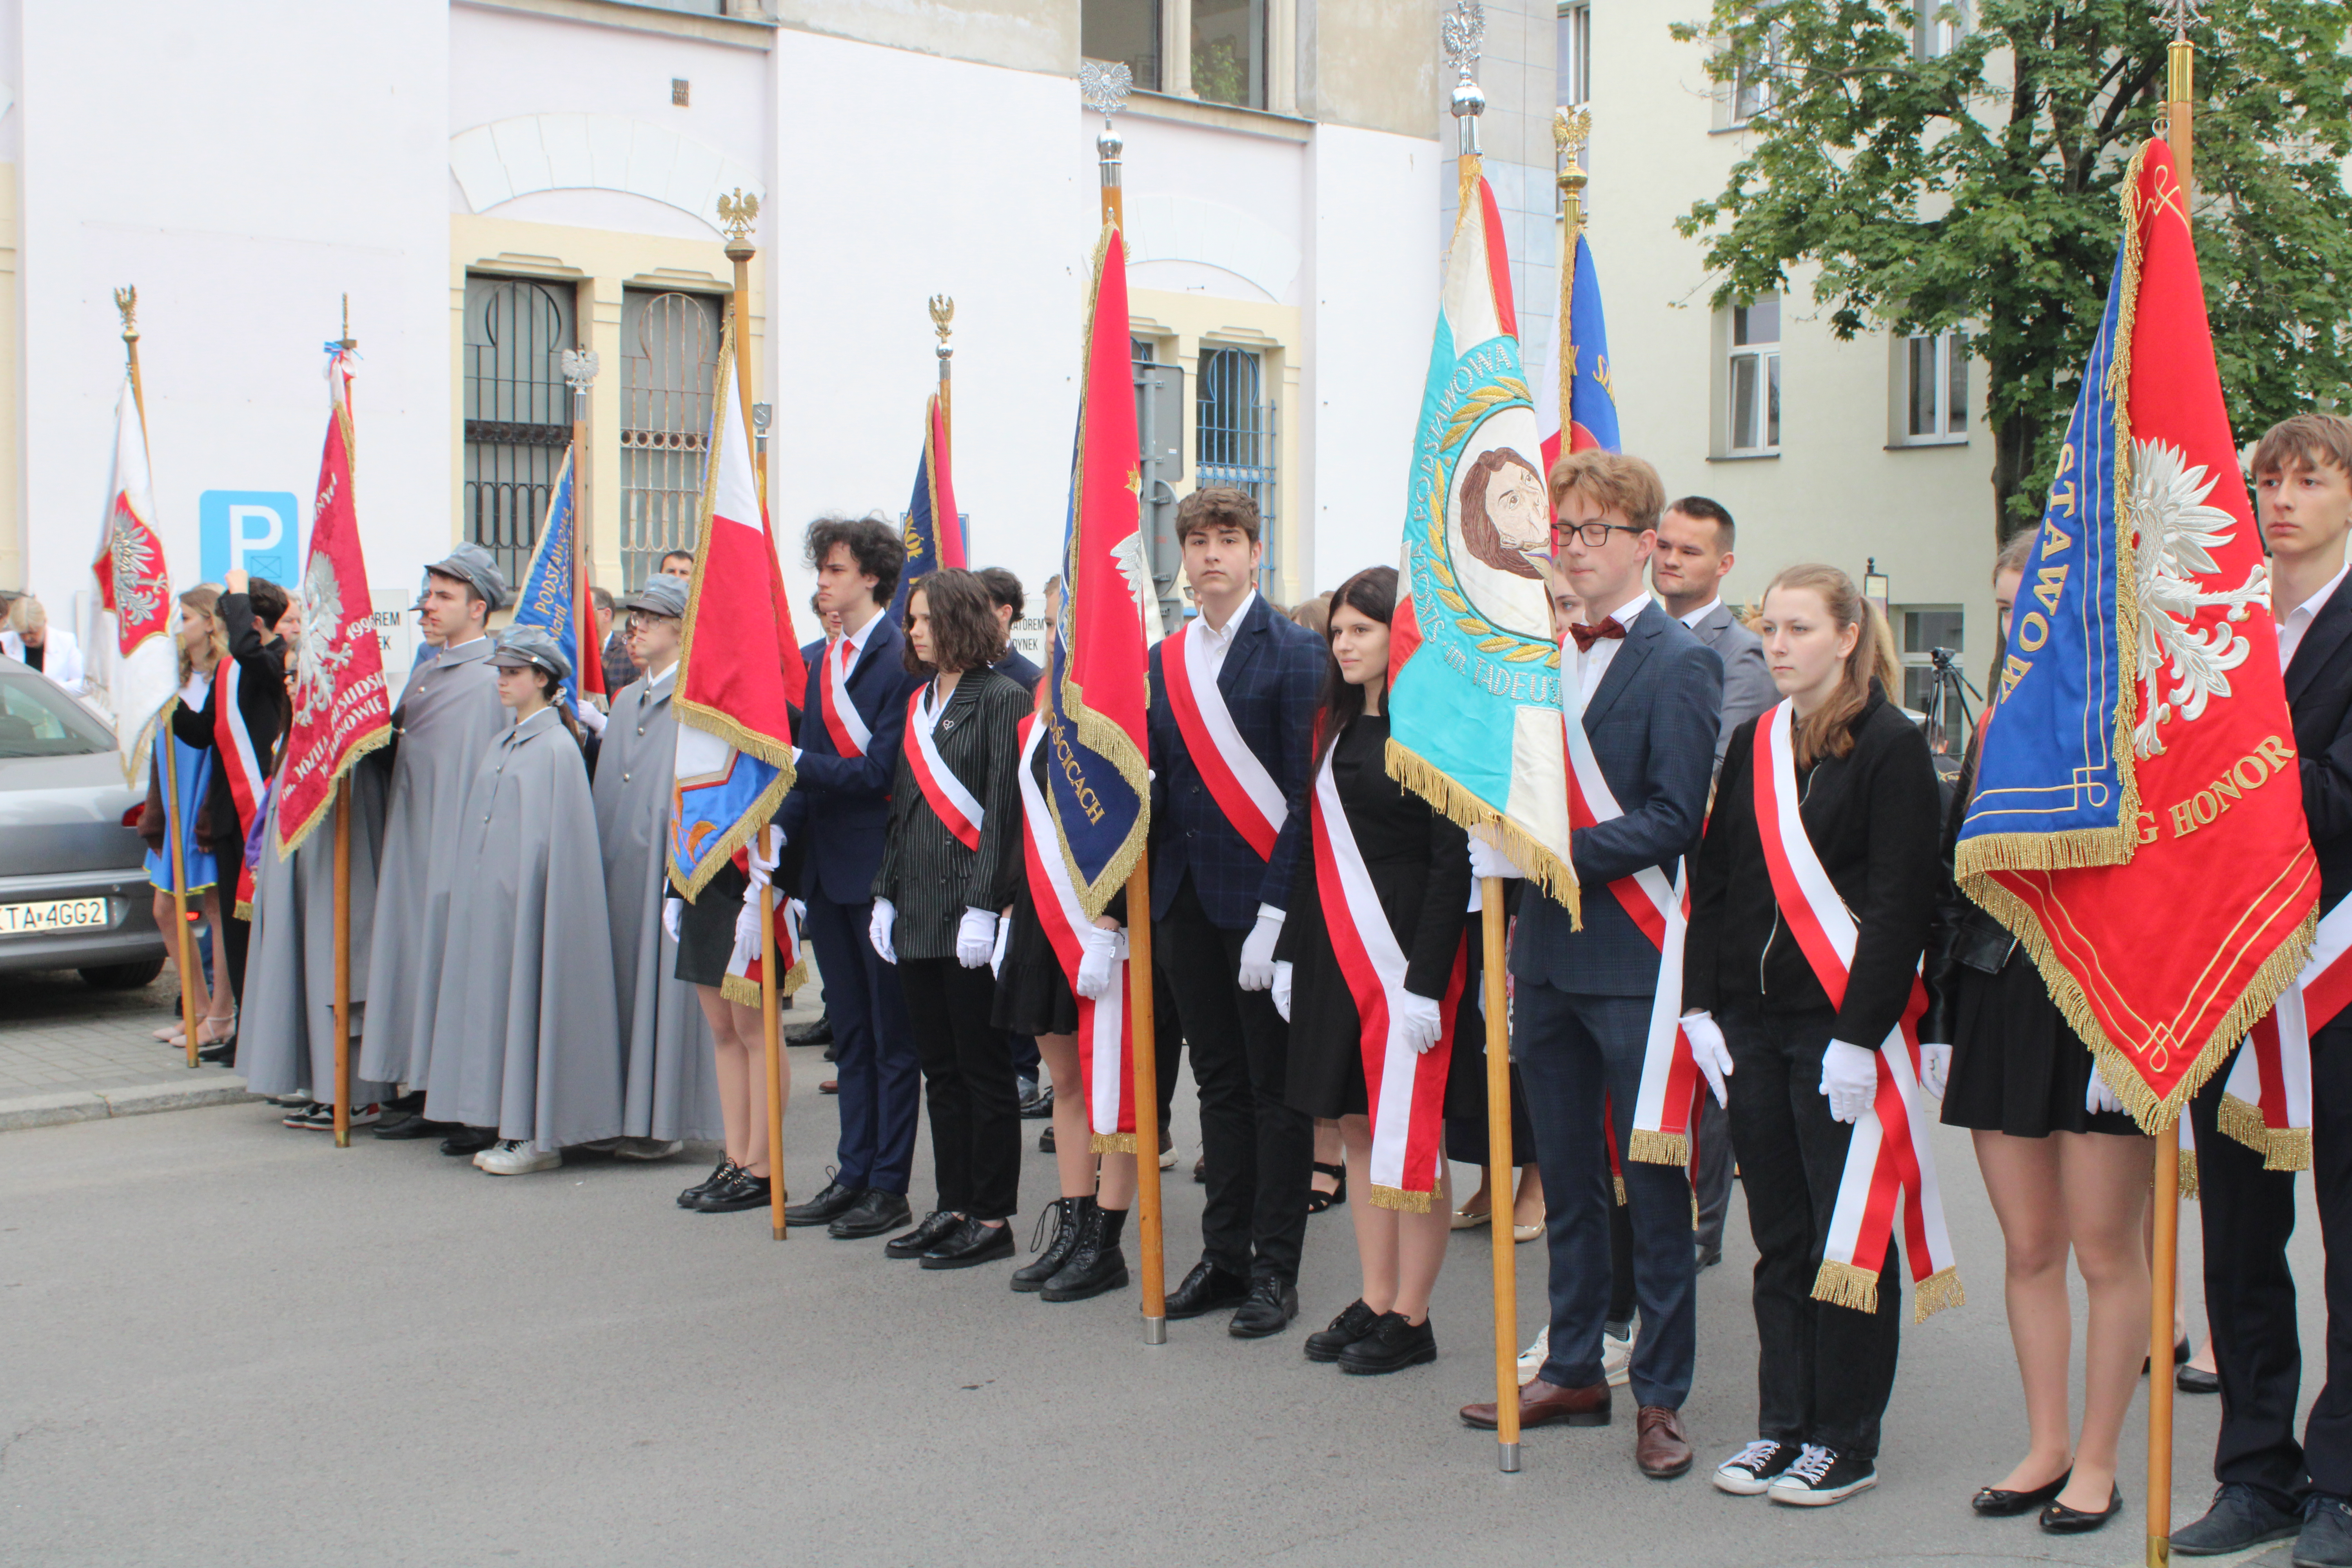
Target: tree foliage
(1980, 189)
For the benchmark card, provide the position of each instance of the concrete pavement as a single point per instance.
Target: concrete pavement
(224, 1342)
(71, 1052)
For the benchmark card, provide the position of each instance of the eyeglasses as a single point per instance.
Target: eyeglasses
(1594, 534)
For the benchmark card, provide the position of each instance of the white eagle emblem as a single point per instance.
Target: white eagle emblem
(2175, 535)
(317, 660)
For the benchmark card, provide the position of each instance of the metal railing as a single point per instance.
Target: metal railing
(668, 361)
(518, 413)
(1236, 440)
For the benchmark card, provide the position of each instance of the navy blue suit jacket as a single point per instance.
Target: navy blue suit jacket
(1272, 682)
(838, 811)
(1653, 726)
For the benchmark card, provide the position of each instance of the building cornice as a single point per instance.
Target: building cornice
(741, 32)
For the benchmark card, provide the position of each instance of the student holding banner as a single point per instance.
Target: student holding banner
(179, 821)
(1827, 805)
(948, 866)
(1375, 977)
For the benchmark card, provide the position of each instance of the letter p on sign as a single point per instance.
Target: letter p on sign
(254, 532)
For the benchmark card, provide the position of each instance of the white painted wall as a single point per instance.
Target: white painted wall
(244, 177)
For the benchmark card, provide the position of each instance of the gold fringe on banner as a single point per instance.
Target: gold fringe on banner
(745, 990)
(1845, 1285)
(2282, 1148)
(1619, 1183)
(1471, 813)
(2188, 1185)
(1113, 1143)
(1658, 1148)
(1935, 1292)
(1397, 1198)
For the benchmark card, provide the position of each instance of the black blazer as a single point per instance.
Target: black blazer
(261, 699)
(2319, 695)
(1872, 816)
(926, 870)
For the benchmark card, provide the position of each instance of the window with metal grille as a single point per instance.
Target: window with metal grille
(1234, 435)
(669, 358)
(517, 411)
(1755, 375)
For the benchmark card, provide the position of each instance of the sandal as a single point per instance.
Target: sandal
(1317, 1202)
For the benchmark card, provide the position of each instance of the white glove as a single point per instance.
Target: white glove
(1709, 1051)
(1419, 1019)
(996, 958)
(747, 920)
(976, 937)
(1103, 948)
(672, 910)
(1850, 1079)
(591, 717)
(2098, 1097)
(1257, 948)
(767, 847)
(879, 929)
(1935, 1068)
(1282, 989)
(1486, 860)
(799, 917)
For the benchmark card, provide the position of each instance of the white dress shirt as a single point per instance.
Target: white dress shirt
(1593, 663)
(2298, 620)
(1218, 641)
(1693, 619)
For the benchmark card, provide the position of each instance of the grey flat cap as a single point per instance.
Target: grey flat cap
(659, 596)
(472, 564)
(522, 647)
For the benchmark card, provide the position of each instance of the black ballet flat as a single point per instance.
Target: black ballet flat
(1993, 1504)
(2059, 1520)
(2197, 1380)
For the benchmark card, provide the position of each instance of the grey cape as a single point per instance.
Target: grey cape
(671, 1082)
(525, 1039)
(286, 1037)
(448, 715)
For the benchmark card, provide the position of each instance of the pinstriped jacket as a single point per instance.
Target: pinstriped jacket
(926, 870)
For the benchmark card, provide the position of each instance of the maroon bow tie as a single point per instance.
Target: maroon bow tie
(1587, 636)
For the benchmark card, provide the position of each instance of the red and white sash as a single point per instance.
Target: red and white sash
(1106, 1043)
(742, 983)
(1670, 1083)
(842, 720)
(1244, 791)
(248, 770)
(957, 807)
(2266, 1100)
(1890, 1170)
(1404, 1089)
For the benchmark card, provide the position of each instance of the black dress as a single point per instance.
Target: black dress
(706, 931)
(2018, 1067)
(1420, 867)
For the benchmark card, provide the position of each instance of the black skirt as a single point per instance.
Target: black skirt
(1033, 997)
(2018, 1067)
(706, 931)
(1327, 1054)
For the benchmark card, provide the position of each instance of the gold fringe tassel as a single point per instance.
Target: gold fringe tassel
(2290, 1150)
(244, 910)
(1619, 1183)
(1658, 1148)
(1397, 1198)
(1471, 813)
(2244, 1122)
(2188, 1181)
(1935, 1292)
(1113, 1143)
(1844, 1285)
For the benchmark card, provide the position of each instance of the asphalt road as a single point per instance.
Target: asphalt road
(224, 1342)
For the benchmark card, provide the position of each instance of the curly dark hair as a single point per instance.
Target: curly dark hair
(872, 543)
(964, 633)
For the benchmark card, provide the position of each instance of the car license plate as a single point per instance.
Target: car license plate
(57, 914)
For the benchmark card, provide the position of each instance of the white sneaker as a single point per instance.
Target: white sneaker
(513, 1157)
(646, 1148)
(1616, 1359)
(1820, 1477)
(1531, 1359)
(1752, 1471)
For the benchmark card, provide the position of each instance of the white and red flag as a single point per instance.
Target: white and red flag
(341, 708)
(136, 664)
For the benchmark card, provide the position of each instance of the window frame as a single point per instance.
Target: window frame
(1954, 420)
(1572, 47)
(1928, 40)
(1770, 411)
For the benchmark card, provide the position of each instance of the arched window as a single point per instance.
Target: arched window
(517, 411)
(669, 359)
(1234, 434)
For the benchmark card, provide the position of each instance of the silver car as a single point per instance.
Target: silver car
(73, 892)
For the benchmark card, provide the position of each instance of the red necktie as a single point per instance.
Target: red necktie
(1587, 636)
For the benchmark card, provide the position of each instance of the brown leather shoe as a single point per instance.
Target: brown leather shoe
(1660, 1446)
(1545, 1403)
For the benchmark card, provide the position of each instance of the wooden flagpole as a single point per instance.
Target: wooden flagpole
(184, 945)
(739, 212)
(343, 881)
(2164, 1259)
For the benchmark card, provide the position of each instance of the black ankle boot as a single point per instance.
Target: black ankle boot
(1097, 1265)
(1069, 1217)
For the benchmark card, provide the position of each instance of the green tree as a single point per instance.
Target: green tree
(1979, 189)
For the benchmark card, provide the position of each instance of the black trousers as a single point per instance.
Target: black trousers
(1261, 1152)
(967, 1085)
(1715, 1160)
(2247, 1214)
(1824, 1371)
(236, 939)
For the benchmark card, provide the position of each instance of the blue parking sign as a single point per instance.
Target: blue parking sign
(254, 532)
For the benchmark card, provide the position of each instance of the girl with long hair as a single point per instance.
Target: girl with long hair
(1800, 1070)
(185, 779)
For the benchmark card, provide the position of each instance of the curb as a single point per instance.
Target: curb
(100, 1104)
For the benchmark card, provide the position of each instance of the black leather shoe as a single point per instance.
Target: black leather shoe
(973, 1241)
(1272, 1304)
(1039, 1105)
(1097, 1265)
(2057, 1519)
(1208, 1288)
(413, 1127)
(738, 1192)
(1045, 1139)
(937, 1226)
(876, 1213)
(469, 1141)
(1353, 1324)
(826, 1207)
(1992, 1502)
(2197, 1380)
(1391, 1346)
(220, 1053)
(817, 1034)
(2326, 1537)
(712, 1182)
(1068, 1217)
(2240, 1517)
(409, 1104)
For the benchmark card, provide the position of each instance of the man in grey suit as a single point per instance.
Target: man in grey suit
(1695, 539)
